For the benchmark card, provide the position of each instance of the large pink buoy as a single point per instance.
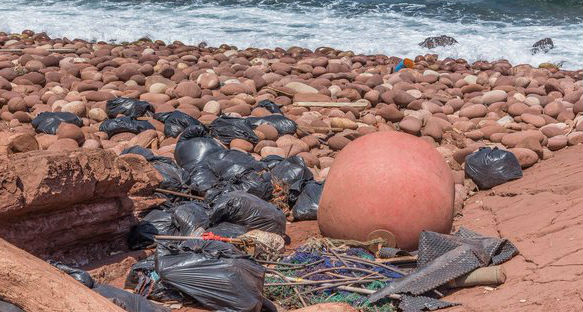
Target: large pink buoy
(387, 183)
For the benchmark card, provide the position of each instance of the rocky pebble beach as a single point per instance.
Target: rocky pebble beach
(455, 105)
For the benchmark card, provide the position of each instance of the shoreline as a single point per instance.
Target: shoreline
(145, 41)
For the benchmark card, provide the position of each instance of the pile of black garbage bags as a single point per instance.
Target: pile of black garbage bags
(236, 190)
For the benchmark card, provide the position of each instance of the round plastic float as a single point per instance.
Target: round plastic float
(387, 184)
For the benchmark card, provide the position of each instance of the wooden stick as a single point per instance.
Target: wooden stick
(50, 50)
(179, 194)
(402, 259)
(327, 129)
(329, 104)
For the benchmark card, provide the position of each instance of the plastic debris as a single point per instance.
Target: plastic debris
(490, 167)
(128, 107)
(124, 124)
(48, 122)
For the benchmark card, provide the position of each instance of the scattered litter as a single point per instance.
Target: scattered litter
(124, 124)
(175, 122)
(248, 210)
(78, 274)
(128, 107)
(157, 222)
(270, 106)
(306, 206)
(227, 128)
(283, 124)
(48, 122)
(213, 273)
(127, 300)
(490, 167)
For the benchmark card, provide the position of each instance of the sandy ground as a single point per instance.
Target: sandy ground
(542, 214)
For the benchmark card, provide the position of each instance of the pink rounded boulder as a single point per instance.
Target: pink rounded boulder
(387, 182)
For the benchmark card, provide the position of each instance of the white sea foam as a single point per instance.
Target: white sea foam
(368, 32)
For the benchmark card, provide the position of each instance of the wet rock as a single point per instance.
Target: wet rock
(542, 46)
(440, 41)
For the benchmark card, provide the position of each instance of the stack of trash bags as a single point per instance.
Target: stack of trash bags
(235, 192)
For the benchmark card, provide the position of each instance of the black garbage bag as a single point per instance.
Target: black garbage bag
(48, 122)
(258, 184)
(127, 300)
(190, 216)
(228, 229)
(145, 282)
(271, 160)
(270, 106)
(227, 128)
(175, 122)
(214, 273)
(248, 210)
(231, 164)
(193, 131)
(78, 274)
(157, 222)
(9, 307)
(191, 152)
(174, 177)
(202, 179)
(146, 152)
(124, 124)
(283, 124)
(292, 170)
(490, 167)
(306, 206)
(128, 107)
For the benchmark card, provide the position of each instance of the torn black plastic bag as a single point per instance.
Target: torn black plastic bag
(157, 222)
(231, 164)
(190, 216)
(291, 172)
(306, 206)
(227, 128)
(490, 167)
(145, 282)
(124, 124)
(283, 124)
(214, 273)
(48, 122)
(127, 300)
(270, 106)
(271, 161)
(176, 122)
(174, 177)
(128, 107)
(78, 274)
(248, 210)
(228, 229)
(146, 152)
(258, 184)
(190, 152)
(202, 179)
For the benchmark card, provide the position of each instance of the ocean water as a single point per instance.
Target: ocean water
(485, 29)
